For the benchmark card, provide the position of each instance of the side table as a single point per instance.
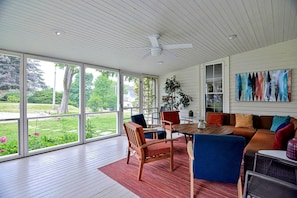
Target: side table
(277, 153)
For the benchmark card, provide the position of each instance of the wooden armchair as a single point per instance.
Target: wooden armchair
(170, 119)
(216, 158)
(145, 151)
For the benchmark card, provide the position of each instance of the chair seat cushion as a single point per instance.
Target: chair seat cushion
(157, 149)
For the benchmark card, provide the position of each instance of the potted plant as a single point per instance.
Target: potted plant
(175, 98)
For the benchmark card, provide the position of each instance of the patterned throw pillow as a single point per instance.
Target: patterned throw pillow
(244, 120)
(282, 137)
(278, 120)
(216, 119)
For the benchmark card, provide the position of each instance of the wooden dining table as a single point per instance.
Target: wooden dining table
(192, 129)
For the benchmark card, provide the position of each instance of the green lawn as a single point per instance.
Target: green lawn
(46, 132)
(32, 108)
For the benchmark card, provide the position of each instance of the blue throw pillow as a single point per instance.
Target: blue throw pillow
(279, 120)
(281, 126)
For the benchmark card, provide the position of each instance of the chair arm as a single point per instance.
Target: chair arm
(187, 120)
(166, 122)
(156, 142)
(190, 150)
(155, 125)
(150, 130)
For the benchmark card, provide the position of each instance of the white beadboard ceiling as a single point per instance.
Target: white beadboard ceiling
(114, 33)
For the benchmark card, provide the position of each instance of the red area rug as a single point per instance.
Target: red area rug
(158, 181)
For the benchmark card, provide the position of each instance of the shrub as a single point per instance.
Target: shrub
(45, 97)
(37, 142)
(11, 97)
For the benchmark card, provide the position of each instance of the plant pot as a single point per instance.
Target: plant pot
(191, 113)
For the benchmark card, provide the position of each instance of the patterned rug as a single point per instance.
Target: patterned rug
(158, 181)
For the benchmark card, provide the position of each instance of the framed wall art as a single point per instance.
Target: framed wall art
(272, 85)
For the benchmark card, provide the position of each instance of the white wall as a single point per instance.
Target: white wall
(279, 56)
(190, 85)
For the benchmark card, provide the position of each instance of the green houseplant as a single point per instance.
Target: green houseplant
(175, 98)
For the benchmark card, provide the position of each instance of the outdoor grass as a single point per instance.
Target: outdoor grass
(32, 108)
(51, 131)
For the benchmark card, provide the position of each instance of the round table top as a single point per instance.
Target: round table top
(192, 129)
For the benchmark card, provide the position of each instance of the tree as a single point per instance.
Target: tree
(74, 90)
(10, 74)
(35, 79)
(70, 71)
(104, 93)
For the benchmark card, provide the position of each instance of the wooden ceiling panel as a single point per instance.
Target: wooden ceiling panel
(115, 33)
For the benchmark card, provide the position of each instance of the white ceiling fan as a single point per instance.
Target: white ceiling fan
(158, 49)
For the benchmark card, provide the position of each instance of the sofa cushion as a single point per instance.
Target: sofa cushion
(265, 122)
(226, 119)
(278, 120)
(294, 122)
(262, 140)
(282, 137)
(232, 119)
(216, 119)
(245, 132)
(244, 120)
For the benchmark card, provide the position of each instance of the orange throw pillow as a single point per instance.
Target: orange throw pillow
(244, 120)
(216, 119)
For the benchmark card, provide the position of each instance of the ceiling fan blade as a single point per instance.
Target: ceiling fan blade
(168, 54)
(146, 55)
(154, 40)
(177, 46)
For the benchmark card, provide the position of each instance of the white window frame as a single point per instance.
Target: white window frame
(225, 84)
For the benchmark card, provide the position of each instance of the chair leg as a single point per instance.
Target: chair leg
(128, 157)
(239, 188)
(191, 180)
(192, 185)
(171, 156)
(140, 170)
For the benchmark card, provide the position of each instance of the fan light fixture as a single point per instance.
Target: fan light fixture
(232, 37)
(156, 51)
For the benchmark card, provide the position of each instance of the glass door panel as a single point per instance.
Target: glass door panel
(9, 104)
(131, 97)
(149, 101)
(52, 103)
(214, 88)
(101, 98)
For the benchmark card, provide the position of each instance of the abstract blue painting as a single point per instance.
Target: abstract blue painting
(273, 85)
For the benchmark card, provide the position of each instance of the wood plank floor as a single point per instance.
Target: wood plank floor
(71, 172)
